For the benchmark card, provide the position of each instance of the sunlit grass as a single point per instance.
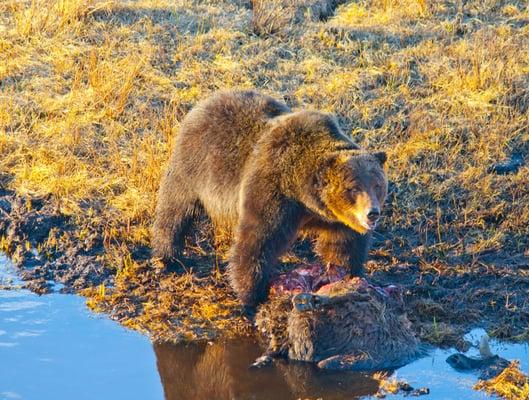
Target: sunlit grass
(92, 93)
(511, 384)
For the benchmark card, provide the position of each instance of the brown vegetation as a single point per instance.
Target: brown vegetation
(511, 384)
(92, 93)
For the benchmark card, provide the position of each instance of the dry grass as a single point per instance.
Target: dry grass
(511, 384)
(207, 308)
(269, 17)
(92, 93)
(388, 386)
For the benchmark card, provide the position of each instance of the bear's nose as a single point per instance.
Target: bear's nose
(373, 215)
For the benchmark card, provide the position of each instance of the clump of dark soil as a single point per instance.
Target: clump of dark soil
(42, 243)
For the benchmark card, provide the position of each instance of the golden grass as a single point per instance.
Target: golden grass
(511, 384)
(92, 93)
(387, 384)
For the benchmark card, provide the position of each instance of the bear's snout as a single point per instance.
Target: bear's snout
(373, 214)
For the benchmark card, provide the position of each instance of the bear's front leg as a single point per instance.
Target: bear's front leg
(266, 229)
(344, 247)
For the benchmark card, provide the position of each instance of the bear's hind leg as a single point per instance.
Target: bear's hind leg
(175, 211)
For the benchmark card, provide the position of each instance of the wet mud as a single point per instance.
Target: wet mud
(444, 299)
(45, 246)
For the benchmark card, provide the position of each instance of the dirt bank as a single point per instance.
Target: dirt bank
(444, 300)
(92, 93)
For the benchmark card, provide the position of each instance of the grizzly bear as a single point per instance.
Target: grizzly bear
(267, 175)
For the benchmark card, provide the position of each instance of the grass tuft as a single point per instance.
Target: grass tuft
(511, 384)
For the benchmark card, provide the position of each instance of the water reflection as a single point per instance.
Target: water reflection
(221, 371)
(52, 347)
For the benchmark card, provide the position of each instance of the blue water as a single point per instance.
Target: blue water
(52, 347)
(447, 384)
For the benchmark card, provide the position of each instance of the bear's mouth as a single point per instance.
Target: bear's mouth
(371, 225)
(366, 223)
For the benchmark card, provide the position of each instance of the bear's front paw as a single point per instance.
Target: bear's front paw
(249, 312)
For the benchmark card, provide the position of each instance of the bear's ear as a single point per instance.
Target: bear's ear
(381, 157)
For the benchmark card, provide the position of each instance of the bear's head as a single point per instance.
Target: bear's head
(355, 189)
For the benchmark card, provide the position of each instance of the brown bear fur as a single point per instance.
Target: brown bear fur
(268, 174)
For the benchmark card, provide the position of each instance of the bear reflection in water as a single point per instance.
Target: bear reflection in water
(221, 371)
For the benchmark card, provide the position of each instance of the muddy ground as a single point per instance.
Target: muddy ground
(445, 299)
(92, 93)
(92, 96)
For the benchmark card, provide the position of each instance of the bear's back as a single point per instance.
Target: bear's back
(219, 133)
(214, 143)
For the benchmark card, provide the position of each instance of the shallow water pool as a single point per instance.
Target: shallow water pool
(220, 371)
(52, 347)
